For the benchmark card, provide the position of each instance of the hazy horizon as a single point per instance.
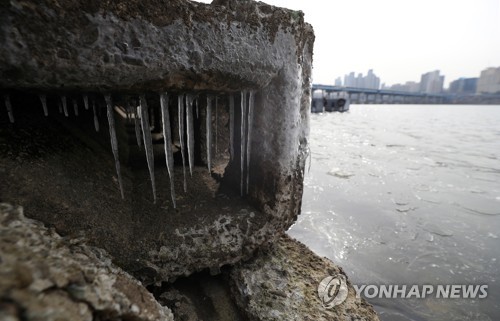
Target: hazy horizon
(400, 40)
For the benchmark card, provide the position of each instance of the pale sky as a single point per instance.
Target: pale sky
(401, 39)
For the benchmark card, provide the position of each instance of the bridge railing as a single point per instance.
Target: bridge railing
(371, 91)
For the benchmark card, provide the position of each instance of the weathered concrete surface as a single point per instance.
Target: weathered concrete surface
(64, 175)
(281, 283)
(46, 277)
(148, 45)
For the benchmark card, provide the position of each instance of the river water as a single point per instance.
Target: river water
(408, 194)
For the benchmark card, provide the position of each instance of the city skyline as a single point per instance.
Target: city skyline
(431, 82)
(400, 40)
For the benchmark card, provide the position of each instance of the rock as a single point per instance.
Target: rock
(63, 173)
(281, 283)
(200, 297)
(46, 277)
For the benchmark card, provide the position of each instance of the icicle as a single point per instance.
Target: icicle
(96, 120)
(190, 131)
(249, 132)
(148, 142)
(180, 105)
(137, 127)
(197, 108)
(167, 136)
(43, 99)
(86, 102)
(8, 105)
(152, 119)
(216, 123)
(75, 107)
(231, 126)
(65, 106)
(243, 136)
(129, 111)
(309, 156)
(60, 107)
(209, 133)
(114, 141)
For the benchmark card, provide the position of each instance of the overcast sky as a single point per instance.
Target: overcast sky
(401, 39)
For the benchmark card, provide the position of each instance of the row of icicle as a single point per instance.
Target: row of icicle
(185, 113)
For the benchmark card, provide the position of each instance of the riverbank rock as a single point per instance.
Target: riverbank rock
(281, 283)
(68, 54)
(46, 277)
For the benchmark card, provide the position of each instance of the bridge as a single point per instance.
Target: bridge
(378, 96)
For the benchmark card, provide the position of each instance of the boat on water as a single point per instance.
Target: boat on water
(322, 104)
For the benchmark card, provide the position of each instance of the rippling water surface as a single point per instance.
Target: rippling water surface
(408, 194)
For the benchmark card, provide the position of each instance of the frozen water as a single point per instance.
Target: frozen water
(148, 142)
(137, 126)
(114, 141)
(216, 123)
(209, 132)
(43, 99)
(249, 132)
(190, 131)
(180, 107)
(231, 126)
(197, 107)
(65, 106)
(128, 111)
(243, 136)
(8, 105)
(96, 120)
(86, 102)
(75, 107)
(167, 136)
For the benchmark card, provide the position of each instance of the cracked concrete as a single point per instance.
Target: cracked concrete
(281, 282)
(44, 276)
(67, 177)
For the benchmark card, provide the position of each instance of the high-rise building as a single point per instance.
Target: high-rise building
(463, 86)
(409, 86)
(350, 80)
(489, 81)
(369, 81)
(338, 81)
(432, 82)
(413, 86)
(360, 81)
